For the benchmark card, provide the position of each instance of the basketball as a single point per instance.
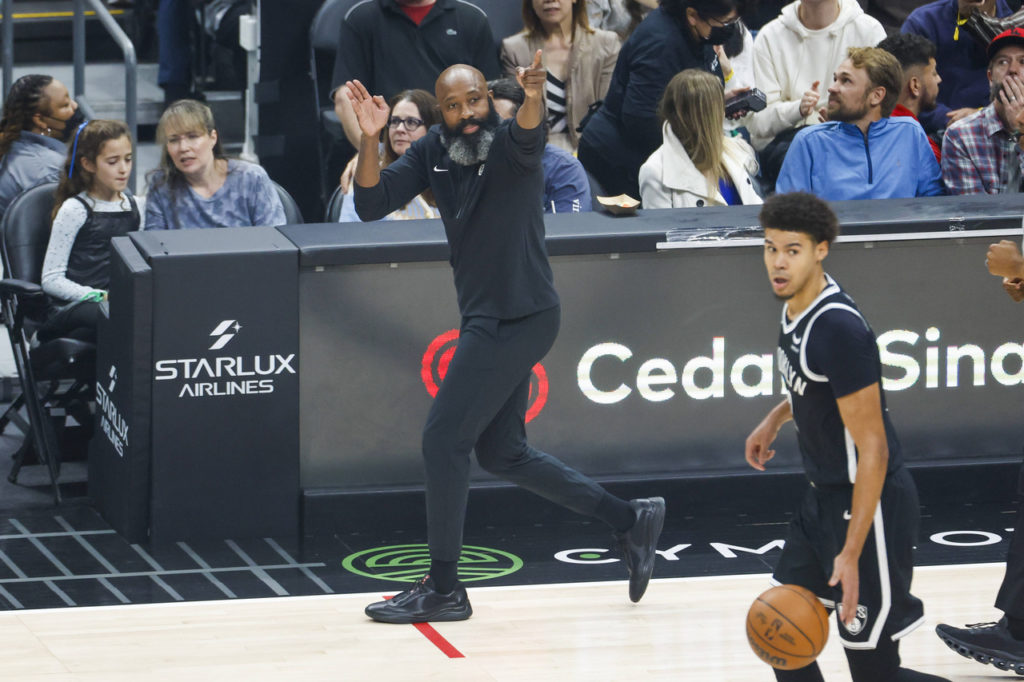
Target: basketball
(787, 627)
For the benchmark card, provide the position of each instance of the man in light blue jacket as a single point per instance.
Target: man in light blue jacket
(861, 153)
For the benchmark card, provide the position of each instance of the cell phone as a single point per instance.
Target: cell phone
(752, 100)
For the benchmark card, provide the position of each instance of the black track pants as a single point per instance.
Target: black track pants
(482, 405)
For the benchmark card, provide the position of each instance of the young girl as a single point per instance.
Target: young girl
(92, 206)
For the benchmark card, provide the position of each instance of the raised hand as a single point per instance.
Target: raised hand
(371, 111)
(810, 99)
(1012, 97)
(533, 78)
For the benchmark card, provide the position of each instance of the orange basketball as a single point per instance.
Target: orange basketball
(787, 627)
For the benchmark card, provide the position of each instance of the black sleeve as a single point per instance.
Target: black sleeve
(526, 147)
(399, 183)
(842, 347)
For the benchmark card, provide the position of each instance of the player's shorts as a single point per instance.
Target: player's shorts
(816, 535)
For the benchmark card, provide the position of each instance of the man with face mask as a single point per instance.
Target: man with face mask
(487, 177)
(982, 154)
(678, 35)
(39, 118)
(862, 153)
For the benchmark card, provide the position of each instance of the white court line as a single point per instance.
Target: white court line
(375, 595)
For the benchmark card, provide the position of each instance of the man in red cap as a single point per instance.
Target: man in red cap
(983, 153)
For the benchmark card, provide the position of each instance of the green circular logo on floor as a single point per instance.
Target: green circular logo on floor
(409, 563)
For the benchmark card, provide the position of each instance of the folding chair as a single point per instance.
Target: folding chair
(57, 377)
(332, 145)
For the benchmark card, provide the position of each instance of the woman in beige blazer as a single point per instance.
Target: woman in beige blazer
(579, 60)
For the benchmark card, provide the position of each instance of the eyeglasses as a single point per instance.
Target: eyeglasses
(723, 24)
(410, 123)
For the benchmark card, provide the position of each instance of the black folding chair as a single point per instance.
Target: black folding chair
(334, 204)
(57, 376)
(291, 209)
(332, 145)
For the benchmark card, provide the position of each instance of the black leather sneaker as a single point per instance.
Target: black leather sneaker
(640, 542)
(985, 643)
(421, 604)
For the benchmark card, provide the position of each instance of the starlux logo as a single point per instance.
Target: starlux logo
(224, 375)
(434, 367)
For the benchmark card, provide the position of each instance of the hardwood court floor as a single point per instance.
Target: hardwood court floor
(685, 629)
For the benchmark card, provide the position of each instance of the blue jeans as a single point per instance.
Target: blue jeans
(173, 28)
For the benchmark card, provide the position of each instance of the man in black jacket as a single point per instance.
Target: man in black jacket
(678, 35)
(487, 178)
(392, 45)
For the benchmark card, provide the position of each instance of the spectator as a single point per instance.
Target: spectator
(920, 92)
(795, 56)
(679, 34)
(579, 61)
(737, 57)
(982, 152)
(221, 22)
(757, 14)
(197, 186)
(566, 187)
(891, 13)
(697, 164)
(413, 112)
(174, 25)
(39, 117)
(861, 153)
(93, 205)
(394, 45)
(620, 16)
(959, 58)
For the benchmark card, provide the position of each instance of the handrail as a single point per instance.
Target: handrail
(131, 100)
(8, 39)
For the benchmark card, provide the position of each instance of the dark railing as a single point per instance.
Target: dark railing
(131, 100)
(8, 38)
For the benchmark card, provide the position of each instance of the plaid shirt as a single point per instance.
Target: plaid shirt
(977, 153)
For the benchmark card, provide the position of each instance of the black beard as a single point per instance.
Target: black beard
(993, 89)
(471, 149)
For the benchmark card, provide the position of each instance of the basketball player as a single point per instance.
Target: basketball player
(851, 540)
(1001, 643)
(487, 178)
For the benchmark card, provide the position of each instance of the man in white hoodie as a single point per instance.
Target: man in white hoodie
(795, 56)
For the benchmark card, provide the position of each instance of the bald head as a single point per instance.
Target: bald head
(459, 76)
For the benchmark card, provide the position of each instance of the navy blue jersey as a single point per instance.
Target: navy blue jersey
(828, 352)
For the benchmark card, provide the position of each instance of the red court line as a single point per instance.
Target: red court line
(437, 640)
(428, 631)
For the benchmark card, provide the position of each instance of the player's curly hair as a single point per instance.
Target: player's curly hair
(24, 100)
(800, 212)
